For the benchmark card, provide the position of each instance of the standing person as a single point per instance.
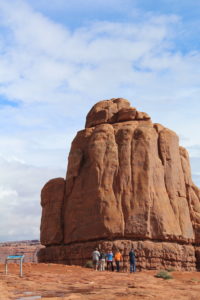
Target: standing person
(118, 258)
(109, 258)
(95, 258)
(132, 261)
(102, 260)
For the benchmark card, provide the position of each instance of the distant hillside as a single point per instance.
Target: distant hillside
(28, 248)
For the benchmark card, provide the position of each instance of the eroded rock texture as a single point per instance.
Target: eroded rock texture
(127, 179)
(52, 198)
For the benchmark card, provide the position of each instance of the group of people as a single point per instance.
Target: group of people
(102, 260)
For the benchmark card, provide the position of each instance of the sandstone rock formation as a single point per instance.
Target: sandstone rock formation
(128, 184)
(52, 196)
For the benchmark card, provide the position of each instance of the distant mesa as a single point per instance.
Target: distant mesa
(128, 184)
(28, 248)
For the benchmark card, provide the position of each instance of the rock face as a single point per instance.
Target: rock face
(52, 197)
(128, 184)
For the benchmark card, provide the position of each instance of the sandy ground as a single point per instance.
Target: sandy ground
(51, 281)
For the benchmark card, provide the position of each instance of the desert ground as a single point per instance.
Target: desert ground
(53, 281)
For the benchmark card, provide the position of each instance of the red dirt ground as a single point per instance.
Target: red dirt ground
(51, 281)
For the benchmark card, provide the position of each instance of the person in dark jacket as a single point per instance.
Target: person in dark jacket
(132, 261)
(102, 261)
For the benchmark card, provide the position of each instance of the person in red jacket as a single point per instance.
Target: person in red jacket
(118, 258)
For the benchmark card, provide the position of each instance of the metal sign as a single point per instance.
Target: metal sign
(19, 258)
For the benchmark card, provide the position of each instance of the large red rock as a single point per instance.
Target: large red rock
(52, 199)
(127, 178)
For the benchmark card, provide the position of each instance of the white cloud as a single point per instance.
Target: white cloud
(47, 61)
(20, 186)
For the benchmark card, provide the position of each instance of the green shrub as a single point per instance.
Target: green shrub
(89, 264)
(164, 275)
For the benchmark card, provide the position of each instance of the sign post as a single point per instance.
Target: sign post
(19, 258)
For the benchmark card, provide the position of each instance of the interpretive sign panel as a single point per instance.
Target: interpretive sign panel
(19, 258)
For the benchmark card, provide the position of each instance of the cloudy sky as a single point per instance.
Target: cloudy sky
(58, 58)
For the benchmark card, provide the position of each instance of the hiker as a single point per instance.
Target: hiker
(132, 261)
(118, 258)
(109, 259)
(95, 258)
(102, 261)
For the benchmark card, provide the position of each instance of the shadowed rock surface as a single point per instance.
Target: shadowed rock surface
(128, 183)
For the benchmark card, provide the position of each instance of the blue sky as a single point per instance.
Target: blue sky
(58, 58)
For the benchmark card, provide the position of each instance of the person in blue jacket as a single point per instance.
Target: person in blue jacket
(109, 260)
(132, 261)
